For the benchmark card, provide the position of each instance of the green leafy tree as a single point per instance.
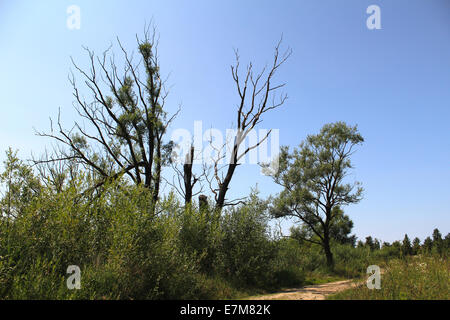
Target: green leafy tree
(340, 230)
(438, 243)
(369, 243)
(397, 247)
(313, 181)
(20, 186)
(377, 244)
(427, 245)
(406, 246)
(125, 121)
(416, 246)
(447, 242)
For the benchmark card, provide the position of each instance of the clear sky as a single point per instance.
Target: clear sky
(394, 83)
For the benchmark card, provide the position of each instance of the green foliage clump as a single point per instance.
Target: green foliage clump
(247, 252)
(123, 250)
(129, 247)
(128, 250)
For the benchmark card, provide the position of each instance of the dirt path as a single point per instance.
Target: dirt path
(313, 292)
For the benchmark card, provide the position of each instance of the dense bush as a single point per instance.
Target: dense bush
(125, 251)
(201, 236)
(122, 250)
(247, 251)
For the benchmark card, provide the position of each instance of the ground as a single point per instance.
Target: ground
(313, 292)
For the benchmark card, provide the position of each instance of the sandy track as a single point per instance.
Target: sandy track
(313, 292)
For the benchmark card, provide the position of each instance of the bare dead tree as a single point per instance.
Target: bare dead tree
(126, 118)
(184, 180)
(257, 95)
(189, 179)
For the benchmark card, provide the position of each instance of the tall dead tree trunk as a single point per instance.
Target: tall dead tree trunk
(187, 178)
(184, 180)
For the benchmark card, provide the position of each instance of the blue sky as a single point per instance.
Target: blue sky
(394, 83)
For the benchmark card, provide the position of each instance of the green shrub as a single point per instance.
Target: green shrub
(122, 249)
(290, 277)
(247, 254)
(201, 236)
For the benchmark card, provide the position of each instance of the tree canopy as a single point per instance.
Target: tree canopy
(313, 180)
(126, 118)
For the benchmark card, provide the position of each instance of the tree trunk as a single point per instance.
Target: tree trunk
(187, 169)
(327, 250)
(157, 178)
(224, 186)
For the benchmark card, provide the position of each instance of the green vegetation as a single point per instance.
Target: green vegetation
(314, 190)
(417, 272)
(98, 203)
(417, 277)
(127, 251)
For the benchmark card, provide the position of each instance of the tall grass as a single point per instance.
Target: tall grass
(411, 278)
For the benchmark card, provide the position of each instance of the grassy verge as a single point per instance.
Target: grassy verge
(317, 278)
(418, 278)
